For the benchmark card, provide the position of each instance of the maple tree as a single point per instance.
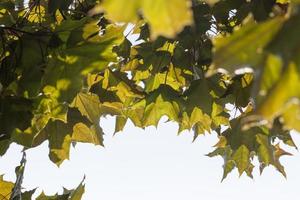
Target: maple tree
(65, 64)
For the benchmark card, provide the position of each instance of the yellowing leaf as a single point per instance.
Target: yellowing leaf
(88, 105)
(241, 158)
(219, 116)
(82, 133)
(37, 14)
(200, 121)
(60, 134)
(120, 123)
(291, 115)
(283, 1)
(286, 88)
(271, 72)
(5, 189)
(269, 154)
(160, 102)
(166, 17)
(121, 11)
(159, 108)
(228, 167)
(221, 143)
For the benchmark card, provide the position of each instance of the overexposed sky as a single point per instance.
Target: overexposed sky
(151, 164)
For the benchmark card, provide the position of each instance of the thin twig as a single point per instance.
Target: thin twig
(25, 32)
(16, 191)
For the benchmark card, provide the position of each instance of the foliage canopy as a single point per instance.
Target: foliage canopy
(65, 64)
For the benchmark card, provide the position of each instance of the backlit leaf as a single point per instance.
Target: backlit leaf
(234, 52)
(161, 14)
(5, 189)
(241, 158)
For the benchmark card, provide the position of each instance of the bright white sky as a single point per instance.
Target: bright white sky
(151, 164)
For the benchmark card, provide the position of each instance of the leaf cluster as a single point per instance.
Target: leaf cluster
(66, 64)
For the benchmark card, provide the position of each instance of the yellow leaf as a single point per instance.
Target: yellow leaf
(166, 17)
(121, 11)
(159, 108)
(82, 133)
(283, 91)
(241, 158)
(88, 105)
(291, 116)
(5, 189)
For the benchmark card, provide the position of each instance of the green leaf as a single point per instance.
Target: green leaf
(88, 105)
(239, 90)
(28, 194)
(234, 52)
(265, 151)
(211, 2)
(59, 135)
(228, 167)
(63, 67)
(280, 131)
(87, 52)
(32, 69)
(269, 154)
(15, 113)
(4, 145)
(241, 158)
(286, 41)
(160, 102)
(53, 5)
(270, 74)
(198, 95)
(55, 197)
(78, 192)
(120, 123)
